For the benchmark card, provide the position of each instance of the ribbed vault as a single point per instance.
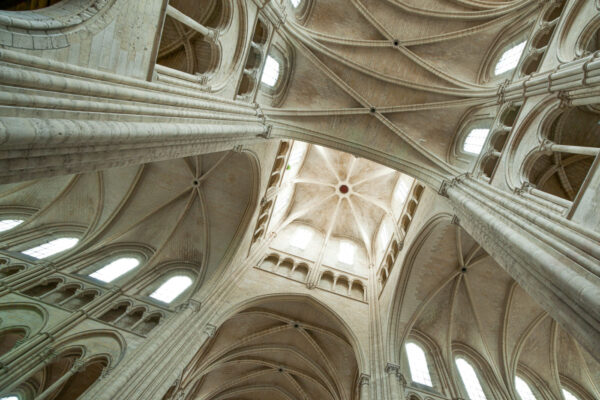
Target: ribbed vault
(342, 197)
(459, 301)
(395, 77)
(280, 349)
(184, 210)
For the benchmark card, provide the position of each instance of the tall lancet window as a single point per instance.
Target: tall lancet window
(509, 59)
(51, 248)
(7, 224)
(419, 372)
(470, 380)
(172, 288)
(523, 389)
(270, 72)
(296, 3)
(115, 269)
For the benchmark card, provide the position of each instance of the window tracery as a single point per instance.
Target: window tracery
(417, 362)
(51, 248)
(115, 269)
(470, 380)
(172, 288)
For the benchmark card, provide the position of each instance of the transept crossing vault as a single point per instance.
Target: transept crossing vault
(300, 199)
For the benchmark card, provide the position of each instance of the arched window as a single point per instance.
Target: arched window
(7, 224)
(346, 252)
(296, 3)
(173, 287)
(568, 395)
(523, 389)
(9, 398)
(115, 269)
(52, 247)
(402, 188)
(470, 380)
(301, 237)
(509, 59)
(418, 364)
(270, 73)
(475, 140)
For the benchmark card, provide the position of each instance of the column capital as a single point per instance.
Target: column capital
(202, 78)
(210, 330)
(502, 91)
(448, 183)
(46, 353)
(392, 368)
(402, 380)
(363, 380)
(105, 372)
(267, 133)
(260, 113)
(191, 304)
(565, 98)
(212, 35)
(78, 365)
(546, 145)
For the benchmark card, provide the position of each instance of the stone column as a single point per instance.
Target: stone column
(34, 148)
(363, 384)
(19, 358)
(129, 378)
(72, 119)
(556, 261)
(394, 379)
(77, 366)
(30, 367)
(174, 13)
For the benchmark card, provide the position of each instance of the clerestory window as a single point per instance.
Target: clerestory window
(346, 252)
(470, 380)
(417, 362)
(568, 395)
(172, 288)
(475, 140)
(296, 3)
(51, 248)
(509, 59)
(301, 237)
(115, 269)
(9, 398)
(523, 389)
(270, 72)
(7, 224)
